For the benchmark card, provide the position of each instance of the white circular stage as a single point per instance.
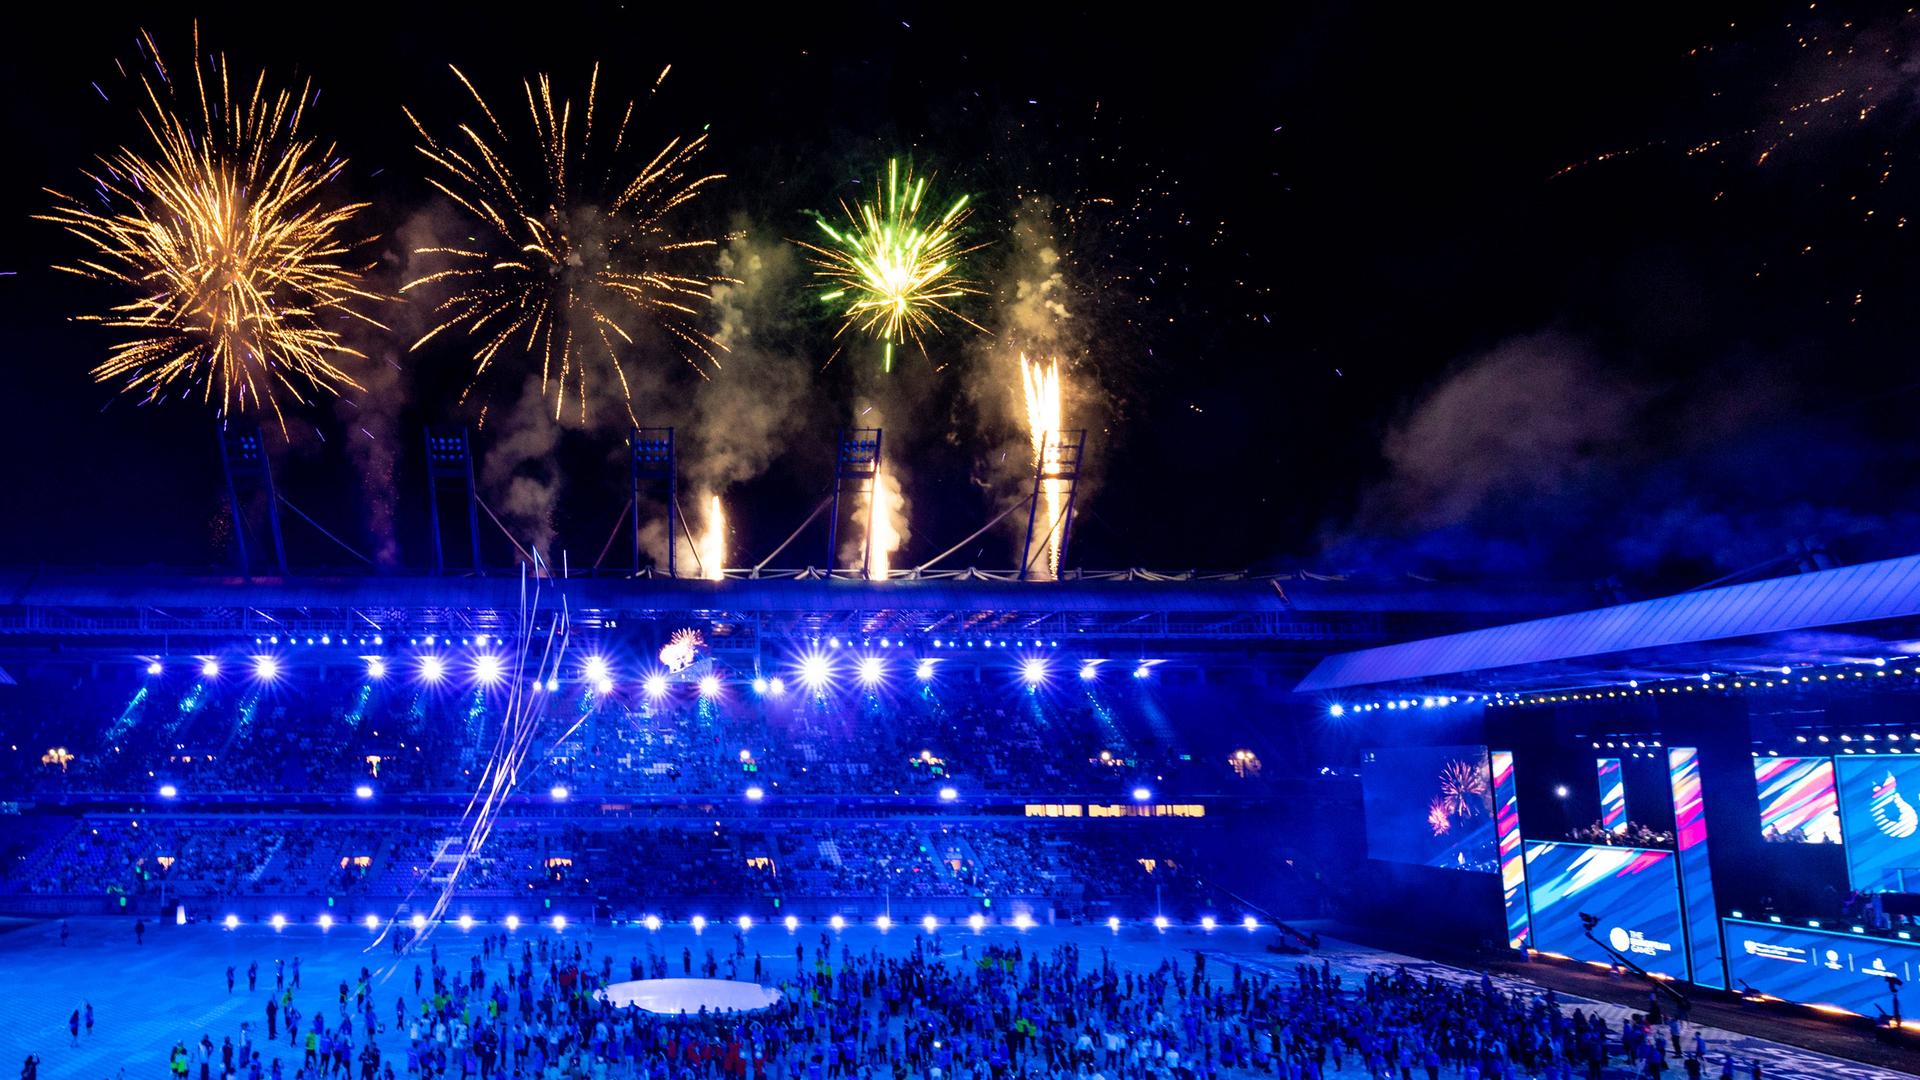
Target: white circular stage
(676, 996)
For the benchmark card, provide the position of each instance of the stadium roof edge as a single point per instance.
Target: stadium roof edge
(1131, 590)
(1873, 592)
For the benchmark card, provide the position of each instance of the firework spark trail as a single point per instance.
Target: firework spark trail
(713, 542)
(1045, 421)
(893, 269)
(520, 722)
(574, 255)
(223, 231)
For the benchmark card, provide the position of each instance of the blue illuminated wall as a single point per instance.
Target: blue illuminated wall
(1819, 967)
(1633, 891)
(1878, 799)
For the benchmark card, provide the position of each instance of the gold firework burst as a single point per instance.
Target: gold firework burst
(893, 268)
(572, 255)
(223, 231)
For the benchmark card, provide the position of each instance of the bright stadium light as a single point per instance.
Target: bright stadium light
(792, 923)
(1113, 923)
(1142, 671)
(929, 924)
(923, 671)
(232, 922)
(776, 686)
(1250, 923)
(168, 791)
(837, 923)
(209, 668)
(1033, 671)
(814, 671)
(513, 922)
(977, 921)
(709, 686)
(466, 922)
(558, 792)
(154, 667)
(596, 669)
(699, 924)
(1207, 923)
(418, 922)
(1159, 922)
(1336, 710)
(1023, 921)
(755, 793)
(376, 668)
(651, 922)
(1141, 794)
(432, 669)
(266, 668)
(372, 922)
(759, 685)
(884, 922)
(745, 923)
(870, 671)
(1089, 671)
(278, 922)
(559, 922)
(655, 686)
(364, 791)
(325, 920)
(488, 669)
(948, 794)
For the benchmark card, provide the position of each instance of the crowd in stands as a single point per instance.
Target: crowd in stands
(211, 858)
(302, 734)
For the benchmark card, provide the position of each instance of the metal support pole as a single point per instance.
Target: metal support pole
(233, 503)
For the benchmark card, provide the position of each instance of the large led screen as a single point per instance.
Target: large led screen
(1631, 891)
(1798, 804)
(1877, 799)
(1819, 967)
(1430, 805)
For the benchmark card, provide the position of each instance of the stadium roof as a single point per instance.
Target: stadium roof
(1821, 616)
(1244, 608)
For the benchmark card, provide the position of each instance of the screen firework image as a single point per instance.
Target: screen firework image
(1430, 805)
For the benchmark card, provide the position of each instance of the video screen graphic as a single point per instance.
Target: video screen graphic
(1513, 867)
(1798, 804)
(1705, 957)
(1877, 800)
(1613, 794)
(1431, 806)
(1820, 967)
(1632, 891)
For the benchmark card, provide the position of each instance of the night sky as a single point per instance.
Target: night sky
(1337, 299)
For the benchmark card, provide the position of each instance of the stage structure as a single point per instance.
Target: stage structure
(243, 460)
(856, 464)
(650, 461)
(450, 472)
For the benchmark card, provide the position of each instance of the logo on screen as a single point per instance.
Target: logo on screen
(1620, 939)
(1892, 814)
(1879, 967)
(1833, 960)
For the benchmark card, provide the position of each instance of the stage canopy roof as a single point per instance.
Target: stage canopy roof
(1848, 614)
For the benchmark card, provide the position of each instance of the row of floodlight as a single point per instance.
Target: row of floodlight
(753, 793)
(929, 923)
(814, 670)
